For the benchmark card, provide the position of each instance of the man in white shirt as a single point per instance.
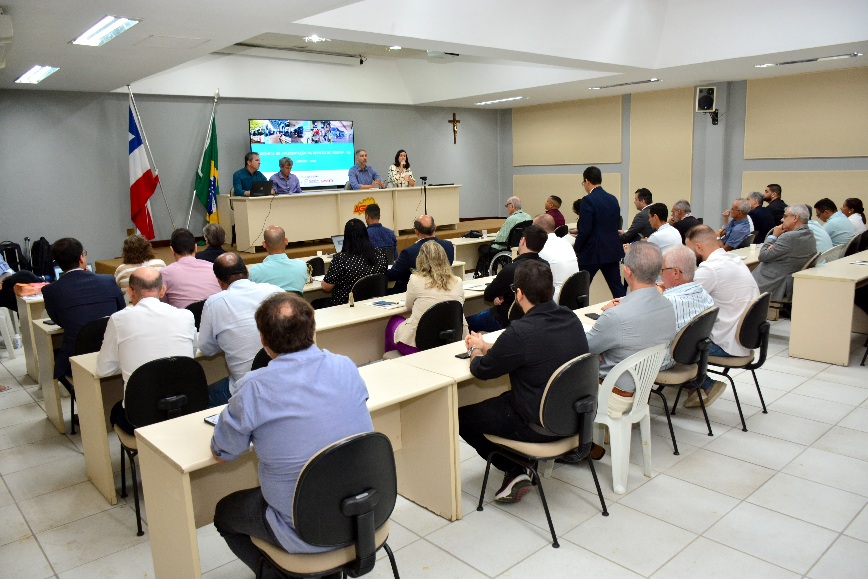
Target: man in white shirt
(664, 234)
(228, 322)
(558, 251)
(732, 287)
(146, 330)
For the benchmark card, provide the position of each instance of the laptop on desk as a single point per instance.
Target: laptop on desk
(338, 241)
(260, 188)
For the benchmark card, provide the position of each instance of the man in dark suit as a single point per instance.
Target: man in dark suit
(641, 226)
(682, 219)
(77, 298)
(597, 244)
(763, 222)
(406, 262)
(776, 205)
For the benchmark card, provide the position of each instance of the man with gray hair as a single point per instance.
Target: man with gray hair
(215, 237)
(284, 181)
(760, 216)
(288, 274)
(515, 215)
(786, 250)
(737, 225)
(361, 176)
(682, 219)
(637, 321)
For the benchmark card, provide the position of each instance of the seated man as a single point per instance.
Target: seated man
(228, 323)
(737, 225)
(558, 252)
(77, 298)
(682, 219)
(836, 224)
(189, 279)
(824, 242)
(515, 215)
(664, 234)
(406, 262)
(760, 216)
(379, 235)
(215, 237)
(729, 283)
(8, 278)
(557, 337)
(786, 250)
(303, 401)
(145, 331)
(277, 268)
(499, 291)
(553, 208)
(244, 178)
(640, 227)
(285, 183)
(637, 321)
(362, 176)
(776, 205)
(689, 299)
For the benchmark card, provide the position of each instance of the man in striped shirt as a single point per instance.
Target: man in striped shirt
(688, 297)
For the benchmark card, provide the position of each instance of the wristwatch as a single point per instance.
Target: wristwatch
(470, 351)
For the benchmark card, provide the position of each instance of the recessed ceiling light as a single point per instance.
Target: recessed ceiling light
(624, 84)
(315, 38)
(500, 101)
(394, 48)
(36, 74)
(105, 30)
(818, 59)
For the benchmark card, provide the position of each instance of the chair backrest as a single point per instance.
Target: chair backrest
(89, 338)
(863, 241)
(577, 380)
(260, 360)
(370, 286)
(853, 244)
(165, 388)
(196, 308)
(443, 323)
(515, 312)
(575, 291)
(694, 338)
(390, 255)
(753, 326)
(562, 230)
(748, 240)
(317, 266)
(811, 262)
(831, 254)
(516, 233)
(643, 366)
(344, 493)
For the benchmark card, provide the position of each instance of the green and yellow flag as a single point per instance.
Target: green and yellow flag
(207, 181)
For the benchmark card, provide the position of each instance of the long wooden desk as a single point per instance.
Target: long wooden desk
(750, 255)
(47, 338)
(182, 483)
(467, 248)
(29, 309)
(829, 288)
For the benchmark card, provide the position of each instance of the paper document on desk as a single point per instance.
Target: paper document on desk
(477, 287)
(318, 278)
(859, 262)
(388, 305)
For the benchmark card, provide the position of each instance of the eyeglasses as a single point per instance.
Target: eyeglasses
(669, 268)
(508, 205)
(512, 287)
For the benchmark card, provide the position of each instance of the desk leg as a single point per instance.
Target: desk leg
(829, 341)
(171, 523)
(92, 421)
(25, 317)
(50, 386)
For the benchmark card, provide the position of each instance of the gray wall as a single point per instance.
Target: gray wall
(64, 165)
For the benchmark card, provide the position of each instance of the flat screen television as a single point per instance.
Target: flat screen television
(321, 151)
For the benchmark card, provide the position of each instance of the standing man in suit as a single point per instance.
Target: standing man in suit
(406, 262)
(763, 222)
(682, 219)
(786, 250)
(641, 226)
(776, 205)
(597, 244)
(76, 299)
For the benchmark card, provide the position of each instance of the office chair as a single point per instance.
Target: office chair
(443, 323)
(88, 340)
(196, 308)
(370, 286)
(575, 291)
(261, 360)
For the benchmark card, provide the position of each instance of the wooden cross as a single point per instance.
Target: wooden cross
(454, 123)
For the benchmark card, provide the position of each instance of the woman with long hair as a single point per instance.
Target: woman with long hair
(137, 252)
(855, 212)
(431, 283)
(357, 259)
(400, 173)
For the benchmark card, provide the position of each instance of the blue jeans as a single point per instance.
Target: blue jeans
(484, 321)
(218, 393)
(714, 350)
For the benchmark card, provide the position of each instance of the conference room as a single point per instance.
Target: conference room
(785, 498)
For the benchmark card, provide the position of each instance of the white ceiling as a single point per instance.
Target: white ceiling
(545, 50)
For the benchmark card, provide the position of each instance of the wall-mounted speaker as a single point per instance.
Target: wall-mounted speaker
(706, 100)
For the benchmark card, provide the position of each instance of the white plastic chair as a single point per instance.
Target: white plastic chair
(8, 329)
(643, 366)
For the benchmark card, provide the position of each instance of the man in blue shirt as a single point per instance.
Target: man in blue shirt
(836, 224)
(379, 235)
(304, 400)
(284, 181)
(363, 177)
(738, 226)
(277, 268)
(244, 178)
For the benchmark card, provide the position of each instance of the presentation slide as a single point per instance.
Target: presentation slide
(321, 151)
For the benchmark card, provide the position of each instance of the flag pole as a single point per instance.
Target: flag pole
(205, 146)
(150, 154)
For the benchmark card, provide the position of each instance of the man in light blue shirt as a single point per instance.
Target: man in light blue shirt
(277, 268)
(836, 224)
(738, 226)
(304, 400)
(516, 216)
(363, 177)
(824, 242)
(228, 323)
(284, 181)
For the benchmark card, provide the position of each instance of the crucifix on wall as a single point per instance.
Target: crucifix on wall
(454, 123)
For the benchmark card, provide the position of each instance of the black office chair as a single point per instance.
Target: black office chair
(261, 360)
(753, 333)
(196, 308)
(857, 244)
(443, 323)
(689, 349)
(316, 266)
(158, 390)
(370, 286)
(575, 291)
(88, 340)
(746, 242)
(567, 410)
(515, 312)
(503, 258)
(562, 231)
(390, 255)
(343, 499)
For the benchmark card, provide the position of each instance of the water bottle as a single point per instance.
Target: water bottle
(16, 341)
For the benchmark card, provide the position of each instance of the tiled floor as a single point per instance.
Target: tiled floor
(786, 499)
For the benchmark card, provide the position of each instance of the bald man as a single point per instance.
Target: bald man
(406, 262)
(146, 330)
(288, 274)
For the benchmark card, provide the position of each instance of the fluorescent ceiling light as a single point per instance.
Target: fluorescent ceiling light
(500, 101)
(394, 48)
(105, 30)
(36, 74)
(624, 84)
(315, 38)
(819, 59)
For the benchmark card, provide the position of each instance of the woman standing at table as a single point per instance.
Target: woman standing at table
(357, 259)
(855, 212)
(400, 173)
(431, 283)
